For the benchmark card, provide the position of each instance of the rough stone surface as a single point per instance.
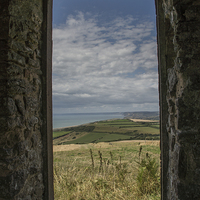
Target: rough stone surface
(181, 86)
(23, 157)
(21, 160)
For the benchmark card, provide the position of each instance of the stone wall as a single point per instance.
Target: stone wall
(179, 69)
(22, 87)
(25, 97)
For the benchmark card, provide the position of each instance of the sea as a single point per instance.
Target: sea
(74, 119)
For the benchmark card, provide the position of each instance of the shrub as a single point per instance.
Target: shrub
(148, 178)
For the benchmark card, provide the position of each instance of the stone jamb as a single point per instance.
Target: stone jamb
(47, 100)
(162, 97)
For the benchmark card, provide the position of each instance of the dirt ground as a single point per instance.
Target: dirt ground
(143, 120)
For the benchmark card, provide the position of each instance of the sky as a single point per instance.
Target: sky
(104, 56)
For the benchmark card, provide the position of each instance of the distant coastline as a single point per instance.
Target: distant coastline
(74, 119)
(62, 121)
(108, 131)
(63, 128)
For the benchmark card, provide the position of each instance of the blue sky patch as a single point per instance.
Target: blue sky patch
(104, 56)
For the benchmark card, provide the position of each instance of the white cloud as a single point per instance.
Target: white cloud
(94, 66)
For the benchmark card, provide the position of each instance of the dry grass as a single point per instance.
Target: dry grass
(112, 175)
(70, 147)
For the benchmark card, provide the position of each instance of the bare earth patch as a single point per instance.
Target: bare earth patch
(143, 120)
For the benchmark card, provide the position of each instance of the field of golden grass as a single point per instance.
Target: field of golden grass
(70, 147)
(123, 170)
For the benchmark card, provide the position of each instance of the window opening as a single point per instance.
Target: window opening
(104, 74)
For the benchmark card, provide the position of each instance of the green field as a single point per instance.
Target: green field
(59, 133)
(107, 131)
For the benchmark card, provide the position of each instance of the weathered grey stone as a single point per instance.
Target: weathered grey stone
(172, 79)
(21, 144)
(19, 86)
(22, 96)
(20, 106)
(16, 58)
(179, 97)
(14, 70)
(32, 122)
(33, 63)
(32, 103)
(16, 121)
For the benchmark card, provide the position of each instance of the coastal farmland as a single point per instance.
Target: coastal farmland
(111, 159)
(108, 131)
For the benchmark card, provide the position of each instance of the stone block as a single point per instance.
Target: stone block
(20, 106)
(14, 70)
(16, 58)
(33, 63)
(19, 86)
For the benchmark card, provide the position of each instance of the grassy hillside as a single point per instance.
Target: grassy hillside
(117, 170)
(107, 131)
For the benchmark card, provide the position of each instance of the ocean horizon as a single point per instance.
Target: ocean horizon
(75, 119)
